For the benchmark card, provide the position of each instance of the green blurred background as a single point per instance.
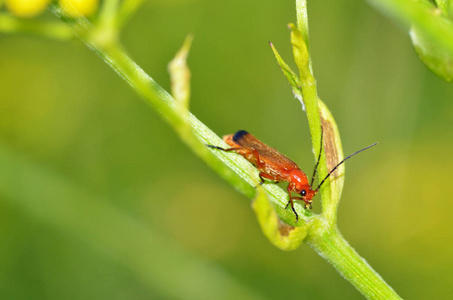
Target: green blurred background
(100, 200)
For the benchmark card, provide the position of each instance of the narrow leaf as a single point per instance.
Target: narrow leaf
(281, 235)
(334, 154)
(180, 76)
(290, 75)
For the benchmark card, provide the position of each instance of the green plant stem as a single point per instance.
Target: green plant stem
(323, 235)
(326, 242)
(335, 249)
(310, 98)
(108, 13)
(233, 168)
(236, 170)
(302, 21)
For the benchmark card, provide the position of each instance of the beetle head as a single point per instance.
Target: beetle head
(299, 184)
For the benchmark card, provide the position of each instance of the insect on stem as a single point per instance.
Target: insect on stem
(276, 167)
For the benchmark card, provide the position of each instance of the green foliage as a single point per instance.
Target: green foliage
(180, 77)
(438, 59)
(431, 31)
(290, 76)
(56, 202)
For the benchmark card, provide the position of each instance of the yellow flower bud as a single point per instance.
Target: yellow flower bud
(26, 8)
(79, 8)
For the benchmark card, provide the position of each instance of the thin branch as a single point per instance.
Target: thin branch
(233, 168)
(322, 236)
(332, 246)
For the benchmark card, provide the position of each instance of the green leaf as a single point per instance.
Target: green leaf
(281, 235)
(431, 31)
(436, 58)
(322, 236)
(334, 154)
(180, 76)
(290, 75)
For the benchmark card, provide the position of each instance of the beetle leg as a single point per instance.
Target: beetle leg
(266, 175)
(290, 188)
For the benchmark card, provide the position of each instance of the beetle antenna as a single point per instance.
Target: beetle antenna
(319, 157)
(328, 175)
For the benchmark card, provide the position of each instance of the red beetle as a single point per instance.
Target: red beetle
(275, 166)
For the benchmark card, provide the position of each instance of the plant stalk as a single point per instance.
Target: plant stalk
(233, 168)
(331, 245)
(328, 243)
(238, 172)
(323, 235)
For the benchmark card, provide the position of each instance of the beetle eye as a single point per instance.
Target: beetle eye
(303, 192)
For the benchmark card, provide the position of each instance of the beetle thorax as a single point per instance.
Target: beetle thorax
(298, 180)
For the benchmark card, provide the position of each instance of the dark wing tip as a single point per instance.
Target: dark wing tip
(239, 135)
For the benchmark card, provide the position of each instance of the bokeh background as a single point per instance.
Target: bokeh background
(100, 200)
